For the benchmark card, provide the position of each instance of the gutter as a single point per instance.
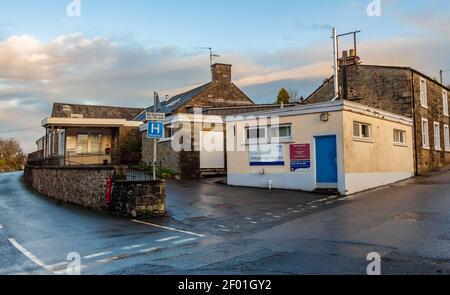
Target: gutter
(416, 160)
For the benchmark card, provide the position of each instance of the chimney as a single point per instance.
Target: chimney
(349, 58)
(221, 73)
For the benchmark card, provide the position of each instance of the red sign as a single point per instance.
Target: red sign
(108, 190)
(300, 152)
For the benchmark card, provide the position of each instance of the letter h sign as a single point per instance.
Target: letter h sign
(155, 130)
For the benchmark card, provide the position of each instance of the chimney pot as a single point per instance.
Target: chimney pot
(352, 53)
(344, 54)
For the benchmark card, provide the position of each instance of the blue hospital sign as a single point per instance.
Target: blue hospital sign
(155, 130)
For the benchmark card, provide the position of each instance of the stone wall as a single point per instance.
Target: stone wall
(164, 154)
(385, 88)
(145, 198)
(430, 159)
(86, 186)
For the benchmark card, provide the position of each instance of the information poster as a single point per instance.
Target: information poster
(300, 157)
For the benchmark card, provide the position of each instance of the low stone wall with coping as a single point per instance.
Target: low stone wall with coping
(86, 186)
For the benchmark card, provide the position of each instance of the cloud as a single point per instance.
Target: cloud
(78, 69)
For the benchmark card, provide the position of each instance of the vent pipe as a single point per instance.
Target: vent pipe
(335, 57)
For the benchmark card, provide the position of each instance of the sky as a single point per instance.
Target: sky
(120, 52)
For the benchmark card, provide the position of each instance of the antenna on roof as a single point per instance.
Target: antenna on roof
(212, 55)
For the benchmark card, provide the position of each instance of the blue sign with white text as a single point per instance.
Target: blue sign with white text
(300, 165)
(155, 130)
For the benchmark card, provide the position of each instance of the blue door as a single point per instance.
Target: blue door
(326, 159)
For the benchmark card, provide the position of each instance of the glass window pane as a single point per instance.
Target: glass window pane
(356, 129)
(82, 143)
(96, 143)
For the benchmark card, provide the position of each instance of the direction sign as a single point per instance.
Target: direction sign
(155, 130)
(155, 117)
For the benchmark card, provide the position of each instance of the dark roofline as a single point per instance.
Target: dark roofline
(243, 93)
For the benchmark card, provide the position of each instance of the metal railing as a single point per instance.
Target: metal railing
(140, 173)
(92, 159)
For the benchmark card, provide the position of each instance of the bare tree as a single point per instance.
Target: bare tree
(12, 157)
(293, 94)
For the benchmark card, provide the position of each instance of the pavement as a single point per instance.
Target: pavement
(212, 228)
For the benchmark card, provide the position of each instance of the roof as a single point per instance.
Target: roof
(65, 110)
(175, 102)
(317, 108)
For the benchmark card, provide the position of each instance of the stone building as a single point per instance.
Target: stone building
(89, 135)
(221, 92)
(400, 90)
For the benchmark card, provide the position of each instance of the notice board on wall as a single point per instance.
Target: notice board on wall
(300, 157)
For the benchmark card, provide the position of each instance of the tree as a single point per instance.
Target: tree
(283, 96)
(12, 157)
(293, 94)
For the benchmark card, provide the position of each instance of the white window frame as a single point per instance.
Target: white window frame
(445, 102)
(359, 136)
(403, 132)
(258, 140)
(437, 136)
(425, 134)
(446, 138)
(280, 139)
(423, 93)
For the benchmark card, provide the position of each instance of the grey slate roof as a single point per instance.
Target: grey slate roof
(94, 111)
(178, 100)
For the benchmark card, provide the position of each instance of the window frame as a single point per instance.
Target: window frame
(360, 131)
(279, 138)
(400, 143)
(445, 102)
(425, 135)
(258, 139)
(446, 138)
(437, 136)
(423, 93)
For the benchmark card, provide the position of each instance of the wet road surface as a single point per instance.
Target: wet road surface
(215, 229)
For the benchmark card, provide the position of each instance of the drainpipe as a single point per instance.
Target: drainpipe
(416, 160)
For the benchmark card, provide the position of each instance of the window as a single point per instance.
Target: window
(96, 143)
(256, 133)
(281, 132)
(82, 143)
(423, 93)
(445, 101)
(447, 138)
(425, 134)
(437, 136)
(361, 131)
(399, 137)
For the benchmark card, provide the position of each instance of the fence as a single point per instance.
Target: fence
(140, 173)
(72, 160)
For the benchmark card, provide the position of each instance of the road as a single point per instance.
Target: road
(215, 229)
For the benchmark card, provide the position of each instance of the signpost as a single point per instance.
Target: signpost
(155, 131)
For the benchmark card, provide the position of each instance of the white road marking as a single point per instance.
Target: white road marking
(184, 241)
(133, 247)
(1, 226)
(276, 216)
(170, 228)
(296, 211)
(27, 253)
(254, 222)
(95, 255)
(168, 239)
(248, 218)
(269, 213)
(313, 207)
(220, 225)
(149, 250)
